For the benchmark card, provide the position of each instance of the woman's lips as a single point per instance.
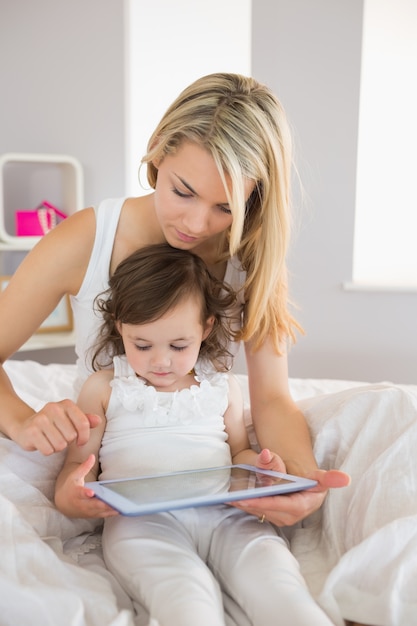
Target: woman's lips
(185, 238)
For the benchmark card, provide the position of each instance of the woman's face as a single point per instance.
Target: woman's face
(190, 199)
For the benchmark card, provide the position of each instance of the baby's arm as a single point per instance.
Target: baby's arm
(81, 464)
(238, 439)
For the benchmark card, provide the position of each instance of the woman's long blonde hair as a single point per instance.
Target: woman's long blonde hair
(243, 126)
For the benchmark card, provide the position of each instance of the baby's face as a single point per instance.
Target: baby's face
(164, 351)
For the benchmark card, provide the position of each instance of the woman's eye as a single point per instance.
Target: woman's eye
(180, 193)
(225, 209)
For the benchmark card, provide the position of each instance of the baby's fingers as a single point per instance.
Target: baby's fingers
(270, 460)
(82, 470)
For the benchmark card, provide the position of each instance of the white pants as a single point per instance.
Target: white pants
(179, 564)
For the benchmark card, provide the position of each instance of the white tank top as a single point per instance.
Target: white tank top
(149, 431)
(86, 321)
(96, 280)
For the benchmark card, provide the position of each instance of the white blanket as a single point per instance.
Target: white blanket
(41, 581)
(358, 554)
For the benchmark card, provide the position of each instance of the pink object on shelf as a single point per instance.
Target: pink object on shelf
(38, 222)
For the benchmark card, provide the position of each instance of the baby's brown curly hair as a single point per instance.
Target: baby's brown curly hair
(152, 281)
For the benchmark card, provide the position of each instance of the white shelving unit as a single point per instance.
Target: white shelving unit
(26, 180)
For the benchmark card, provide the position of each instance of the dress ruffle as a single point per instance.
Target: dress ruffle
(168, 408)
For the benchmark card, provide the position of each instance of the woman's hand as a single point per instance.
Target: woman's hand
(74, 500)
(55, 426)
(291, 508)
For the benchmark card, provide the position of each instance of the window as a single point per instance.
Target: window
(168, 45)
(385, 245)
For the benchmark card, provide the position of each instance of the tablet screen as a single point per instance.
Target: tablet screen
(147, 494)
(192, 484)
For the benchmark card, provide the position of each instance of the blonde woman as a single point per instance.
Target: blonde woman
(219, 164)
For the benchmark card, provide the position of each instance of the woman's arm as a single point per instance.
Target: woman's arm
(55, 266)
(278, 422)
(280, 426)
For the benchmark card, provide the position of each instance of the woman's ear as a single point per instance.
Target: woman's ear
(156, 162)
(208, 327)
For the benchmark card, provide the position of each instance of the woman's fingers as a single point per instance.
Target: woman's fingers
(329, 479)
(55, 426)
(288, 509)
(284, 510)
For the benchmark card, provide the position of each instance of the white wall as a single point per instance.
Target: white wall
(62, 91)
(62, 85)
(309, 53)
(170, 44)
(62, 80)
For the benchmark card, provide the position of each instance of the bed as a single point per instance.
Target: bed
(358, 553)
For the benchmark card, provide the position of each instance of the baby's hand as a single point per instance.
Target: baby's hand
(75, 500)
(270, 461)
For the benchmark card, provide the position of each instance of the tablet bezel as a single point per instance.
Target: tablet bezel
(129, 508)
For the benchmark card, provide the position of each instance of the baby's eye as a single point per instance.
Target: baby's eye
(178, 348)
(143, 348)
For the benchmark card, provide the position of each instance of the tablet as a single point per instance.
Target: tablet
(192, 488)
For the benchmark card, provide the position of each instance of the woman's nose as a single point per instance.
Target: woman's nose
(196, 220)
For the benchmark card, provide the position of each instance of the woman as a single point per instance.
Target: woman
(219, 163)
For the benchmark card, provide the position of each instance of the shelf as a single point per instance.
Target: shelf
(18, 246)
(49, 340)
(27, 180)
